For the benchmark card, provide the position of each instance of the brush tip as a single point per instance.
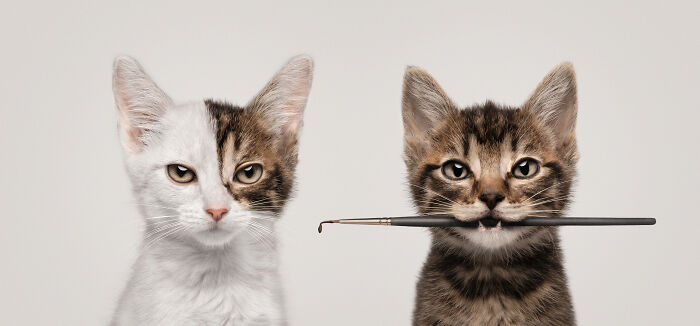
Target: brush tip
(320, 225)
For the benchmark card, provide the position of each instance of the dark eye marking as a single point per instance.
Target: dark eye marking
(555, 167)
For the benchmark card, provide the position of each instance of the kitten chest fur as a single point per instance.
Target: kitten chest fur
(176, 284)
(528, 288)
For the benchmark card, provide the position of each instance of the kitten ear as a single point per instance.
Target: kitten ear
(424, 106)
(140, 102)
(554, 103)
(282, 101)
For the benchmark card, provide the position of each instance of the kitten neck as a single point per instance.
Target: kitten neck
(541, 237)
(191, 263)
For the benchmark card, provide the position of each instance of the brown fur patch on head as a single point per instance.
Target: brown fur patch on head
(265, 132)
(244, 137)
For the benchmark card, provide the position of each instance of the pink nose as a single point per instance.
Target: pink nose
(217, 213)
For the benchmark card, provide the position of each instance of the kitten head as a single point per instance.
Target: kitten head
(490, 163)
(207, 171)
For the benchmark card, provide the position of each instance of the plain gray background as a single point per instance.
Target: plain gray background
(70, 232)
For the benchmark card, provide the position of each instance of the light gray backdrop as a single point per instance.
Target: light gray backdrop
(69, 230)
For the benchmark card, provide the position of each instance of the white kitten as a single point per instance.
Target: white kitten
(210, 180)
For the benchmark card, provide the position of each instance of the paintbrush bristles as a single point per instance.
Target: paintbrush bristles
(320, 225)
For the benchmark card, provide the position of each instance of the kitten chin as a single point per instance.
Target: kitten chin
(216, 236)
(493, 238)
(489, 236)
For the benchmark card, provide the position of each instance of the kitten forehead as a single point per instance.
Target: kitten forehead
(241, 136)
(188, 131)
(488, 134)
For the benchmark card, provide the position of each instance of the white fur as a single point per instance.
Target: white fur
(191, 270)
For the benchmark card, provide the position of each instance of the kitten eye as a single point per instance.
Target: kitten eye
(180, 173)
(249, 174)
(525, 168)
(455, 170)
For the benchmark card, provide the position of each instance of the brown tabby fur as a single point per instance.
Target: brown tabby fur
(242, 135)
(265, 131)
(465, 280)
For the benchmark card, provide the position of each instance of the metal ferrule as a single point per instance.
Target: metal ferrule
(367, 221)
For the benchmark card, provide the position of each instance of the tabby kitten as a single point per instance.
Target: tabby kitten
(492, 163)
(210, 180)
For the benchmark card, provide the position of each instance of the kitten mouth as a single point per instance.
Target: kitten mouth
(490, 224)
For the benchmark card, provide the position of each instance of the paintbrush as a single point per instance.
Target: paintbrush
(448, 221)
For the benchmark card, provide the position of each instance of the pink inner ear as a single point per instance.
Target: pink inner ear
(139, 101)
(294, 108)
(282, 101)
(566, 124)
(292, 125)
(134, 135)
(288, 131)
(130, 136)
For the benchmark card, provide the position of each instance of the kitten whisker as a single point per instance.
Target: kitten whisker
(158, 206)
(447, 211)
(266, 228)
(436, 213)
(162, 227)
(155, 233)
(436, 207)
(171, 231)
(434, 203)
(547, 198)
(545, 201)
(545, 189)
(434, 192)
(263, 202)
(261, 234)
(266, 218)
(159, 217)
(161, 222)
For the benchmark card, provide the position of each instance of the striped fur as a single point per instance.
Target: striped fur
(492, 276)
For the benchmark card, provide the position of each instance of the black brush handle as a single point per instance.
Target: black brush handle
(434, 221)
(447, 221)
(582, 221)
